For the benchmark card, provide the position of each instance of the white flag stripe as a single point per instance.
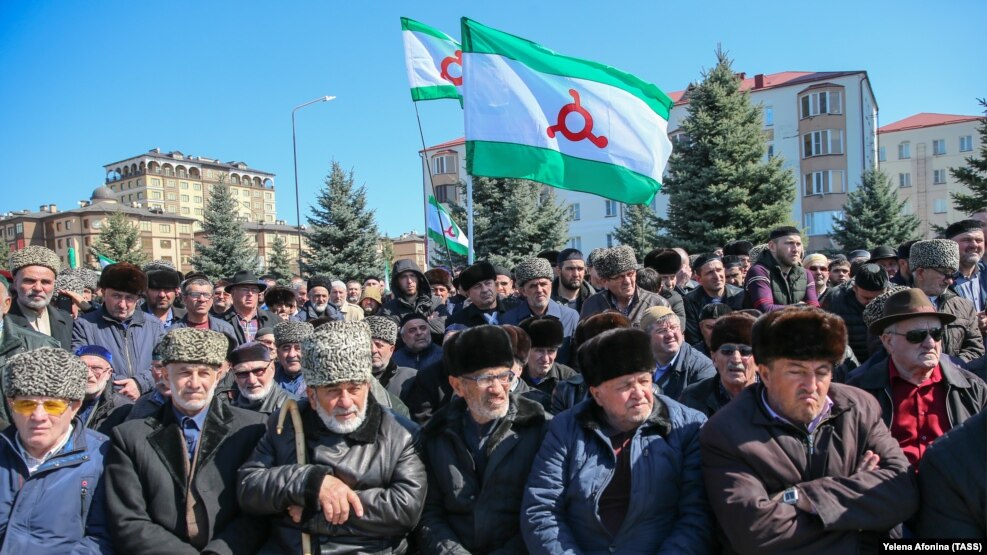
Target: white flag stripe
(439, 222)
(425, 53)
(512, 103)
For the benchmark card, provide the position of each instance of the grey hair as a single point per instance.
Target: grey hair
(196, 281)
(336, 283)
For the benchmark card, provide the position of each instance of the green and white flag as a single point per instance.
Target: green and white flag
(573, 124)
(434, 61)
(443, 230)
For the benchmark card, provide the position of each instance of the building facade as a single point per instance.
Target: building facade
(917, 153)
(262, 236)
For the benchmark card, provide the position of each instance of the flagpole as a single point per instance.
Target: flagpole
(431, 181)
(469, 217)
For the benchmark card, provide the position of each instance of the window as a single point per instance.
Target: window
(939, 206)
(155, 182)
(85, 223)
(256, 194)
(882, 154)
(183, 185)
(576, 243)
(165, 243)
(443, 193)
(58, 244)
(197, 200)
(197, 186)
(771, 151)
(904, 180)
(824, 182)
(58, 226)
(906, 208)
(170, 183)
(171, 196)
(444, 164)
(820, 223)
(198, 211)
(904, 150)
(184, 198)
(269, 207)
(185, 210)
(769, 116)
(826, 102)
(818, 143)
(610, 240)
(68, 225)
(966, 143)
(269, 196)
(164, 228)
(938, 177)
(611, 209)
(140, 195)
(145, 226)
(938, 147)
(171, 208)
(97, 224)
(184, 228)
(574, 213)
(245, 192)
(154, 195)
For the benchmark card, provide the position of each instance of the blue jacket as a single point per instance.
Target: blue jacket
(974, 288)
(668, 511)
(130, 343)
(431, 355)
(566, 315)
(61, 508)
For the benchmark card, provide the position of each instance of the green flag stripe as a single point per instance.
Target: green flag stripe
(441, 243)
(434, 93)
(551, 167)
(412, 25)
(480, 39)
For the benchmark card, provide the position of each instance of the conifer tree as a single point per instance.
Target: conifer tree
(638, 229)
(4, 252)
(120, 241)
(229, 250)
(343, 242)
(973, 175)
(872, 215)
(279, 262)
(719, 183)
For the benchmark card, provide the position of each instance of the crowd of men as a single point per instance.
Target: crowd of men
(747, 400)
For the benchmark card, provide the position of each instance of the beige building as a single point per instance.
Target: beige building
(262, 236)
(163, 236)
(409, 246)
(917, 154)
(178, 184)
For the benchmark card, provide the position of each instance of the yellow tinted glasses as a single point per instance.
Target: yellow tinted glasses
(26, 407)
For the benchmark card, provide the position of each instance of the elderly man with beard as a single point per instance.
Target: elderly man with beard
(476, 448)
(101, 409)
(777, 279)
(318, 305)
(363, 487)
(534, 279)
(678, 364)
(253, 372)
(288, 338)
(542, 370)
(354, 291)
(337, 298)
(478, 283)
(734, 363)
(797, 464)
(571, 288)
(620, 471)
(397, 380)
(34, 269)
(617, 268)
(170, 477)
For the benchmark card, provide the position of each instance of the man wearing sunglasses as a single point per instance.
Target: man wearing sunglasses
(733, 359)
(51, 467)
(253, 372)
(922, 393)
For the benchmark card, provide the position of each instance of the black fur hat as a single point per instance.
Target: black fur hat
(732, 328)
(479, 348)
(545, 331)
(800, 334)
(663, 261)
(280, 296)
(615, 353)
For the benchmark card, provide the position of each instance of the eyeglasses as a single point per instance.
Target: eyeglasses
(99, 370)
(946, 273)
(26, 407)
(489, 379)
(819, 268)
(918, 336)
(257, 372)
(197, 296)
(729, 348)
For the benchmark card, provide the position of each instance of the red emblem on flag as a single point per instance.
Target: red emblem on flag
(448, 61)
(585, 133)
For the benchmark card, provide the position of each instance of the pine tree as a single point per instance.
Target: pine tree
(513, 219)
(873, 216)
(280, 261)
(344, 239)
(120, 241)
(973, 175)
(4, 252)
(229, 249)
(719, 184)
(638, 229)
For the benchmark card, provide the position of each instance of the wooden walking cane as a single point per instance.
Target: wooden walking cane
(290, 406)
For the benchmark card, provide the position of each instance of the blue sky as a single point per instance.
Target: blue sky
(89, 83)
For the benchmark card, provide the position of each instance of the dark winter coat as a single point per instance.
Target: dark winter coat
(429, 392)
(403, 357)
(471, 316)
(397, 380)
(423, 303)
(147, 483)
(668, 511)
(61, 508)
(307, 312)
(843, 302)
(110, 410)
(567, 316)
(61, 323)
(690, 367)
(177, 313)
(130, 345)
(265, 319)
(749, 457)
(466, 513)
(675, 301)
(962, 339)
(707, 396)
(694, 302)
(556, 374)
(585, 291)
(271, 403)
(14, 340)
(378, 461)
(603, 301)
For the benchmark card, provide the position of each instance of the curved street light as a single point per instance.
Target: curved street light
(294, 149)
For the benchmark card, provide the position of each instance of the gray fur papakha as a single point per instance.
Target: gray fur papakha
(291, 331)
(756, 251)
(615, 261)
(157, 264)
(34, 255)
(533, 268)
(382, 328)
(935, 253)
(88, 277)
(194, 346)
(69, 282)
(875, 309)
(46, 372)
(337, 352)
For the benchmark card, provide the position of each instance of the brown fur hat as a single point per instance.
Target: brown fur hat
(125, 277)
(800, 334)
(546, 332)
(438, 276)
(597, 324)
(280, 296)
(616, 353)
(732, 328)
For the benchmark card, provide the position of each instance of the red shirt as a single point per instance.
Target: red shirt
(202, 326)
(920, 414)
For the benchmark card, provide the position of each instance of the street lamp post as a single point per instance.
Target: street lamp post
(294, 150)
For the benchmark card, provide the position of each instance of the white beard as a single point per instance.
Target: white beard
(191, 406)
(258, 396)
(338, 427)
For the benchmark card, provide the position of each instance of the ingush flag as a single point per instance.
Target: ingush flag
(569, 123)
(443, 230)
(434, 61)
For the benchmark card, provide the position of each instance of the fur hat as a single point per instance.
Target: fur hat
(520, 342)
(962, 226)
(664, 261)
(875, 308)
(597, 324)
(594, 255)
(756, 251)
(438, 276)
(783, 231)
(732, 328)
(319, 281)
(652, 315)
(280, 296)
(616, 353)
(935, 253)
(800, 334)
(163, 278)
(337, 352)
(249, 352)
(714, 311)
(549, 255)
(615, 261)
(479, 348)
(383, 328)
(291, 331)
(905, 305)
(69, 282)
(545, 332)
(194, 346)
(125, 277)
(89, 277)
(481, 271)
(532, 268)
(35, 255)
(94, 351)
(158, 264)
(737, 248)
(46, 372)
